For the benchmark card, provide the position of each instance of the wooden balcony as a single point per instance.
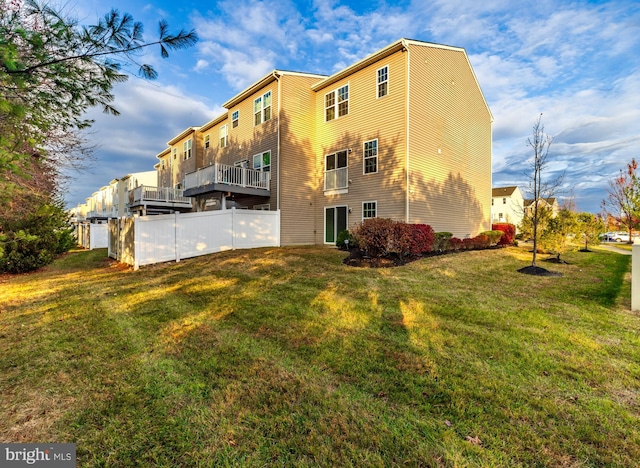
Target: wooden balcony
(226, 178)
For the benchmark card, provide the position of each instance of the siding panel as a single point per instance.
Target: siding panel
(369, 118)
(449, 143)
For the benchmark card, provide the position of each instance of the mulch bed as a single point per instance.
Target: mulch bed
(538, 271)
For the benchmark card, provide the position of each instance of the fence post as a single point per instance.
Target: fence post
(136, 253)
(177, 236)
(635, 275)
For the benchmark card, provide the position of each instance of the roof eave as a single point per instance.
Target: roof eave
(182, 135)
(400, 44)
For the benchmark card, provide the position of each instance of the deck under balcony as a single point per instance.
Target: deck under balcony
(225, 178)
(148, 200)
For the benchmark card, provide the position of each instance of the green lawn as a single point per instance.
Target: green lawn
(286, 357)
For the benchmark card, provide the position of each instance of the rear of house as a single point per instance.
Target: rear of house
(404, 133)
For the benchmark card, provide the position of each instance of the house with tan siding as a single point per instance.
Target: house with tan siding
(404, 133)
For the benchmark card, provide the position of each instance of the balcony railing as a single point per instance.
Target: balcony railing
(229, 175)
(105, 212)
(145, 194)
(336, 179)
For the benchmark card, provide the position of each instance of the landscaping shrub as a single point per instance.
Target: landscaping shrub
(494, 236)
(380, 237)
(456, 244)
(32, 242)
(375, 236)
(442, 241)
(509, 231)
(425, 237)
(342, 237)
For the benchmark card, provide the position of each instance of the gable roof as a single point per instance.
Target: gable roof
(262, 82)
(503, 191)
(400, 44)
(549, 201)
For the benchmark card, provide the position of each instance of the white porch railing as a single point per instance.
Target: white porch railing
(230, 175)
(336, 179)
(109, 212)
(145, 193)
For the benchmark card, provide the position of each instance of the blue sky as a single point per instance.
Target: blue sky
(576, 63)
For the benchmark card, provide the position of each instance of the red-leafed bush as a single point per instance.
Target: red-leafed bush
(509, 232)
(381, 237)
(482, 241)
(424, 237)
(375, 236)
(456, 244)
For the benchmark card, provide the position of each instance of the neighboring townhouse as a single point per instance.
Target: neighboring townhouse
(507, 205)
(548, 203)
(404, 133)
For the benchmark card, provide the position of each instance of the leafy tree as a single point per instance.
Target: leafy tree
(590, 227)
(559, 232)
(623, 197)
(539, 187)
(52, 70)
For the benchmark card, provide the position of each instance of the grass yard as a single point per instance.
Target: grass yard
(286, 357)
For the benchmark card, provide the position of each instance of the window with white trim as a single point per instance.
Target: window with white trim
(370, 156)
(336, 103)
(207, 141)
(186, 149)
(262, 109)
(235, 118)
(262, 161)
(335, 160)
(224, 133)
(369, 209)
(383, 81)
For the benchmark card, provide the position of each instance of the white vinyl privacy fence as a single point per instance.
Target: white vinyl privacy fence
(92, 236)
(144, 240)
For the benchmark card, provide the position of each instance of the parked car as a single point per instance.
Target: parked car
(617, 236)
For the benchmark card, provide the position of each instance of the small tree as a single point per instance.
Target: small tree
(590, 227)
(561, 229)
(540, 188)
(623, 197)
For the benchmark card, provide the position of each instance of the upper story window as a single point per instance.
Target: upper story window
(336, 103)
(234, 119)
(262, 109)
(335, 160)
(162, 164)
(369, 209)
(383, 81)
(504, 201)
(370, 157)
(262, 161)
(207, 141)
(224, 133)
(186, 149)
(175, 153)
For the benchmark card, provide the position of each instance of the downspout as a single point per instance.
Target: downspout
(407, 172)
(277, 77)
